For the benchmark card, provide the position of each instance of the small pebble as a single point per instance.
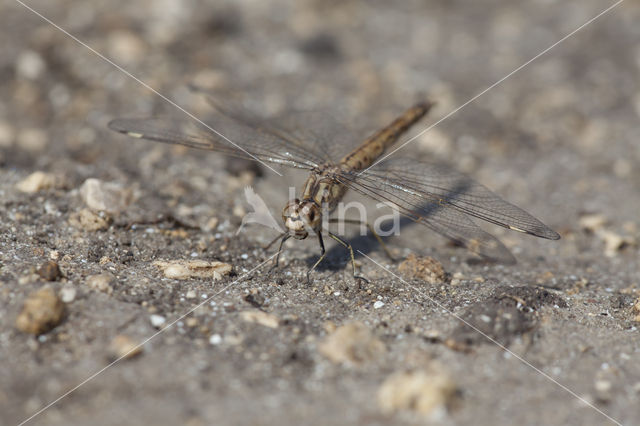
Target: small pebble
(215, 339)
(157, 320)
(378, 305)
(42, 311)
(125, 347)
(105, 196)
(592, 222)
(68, 294)
(435, 142)
(191, 294)
(602, 385)
(614, 242)
(352, 344)
(37, 181)
(211, 224)
(426, 392)
(30, 65)
(101, 282)
(185, 269)
(124, 46)
(239, 211)
(49, 271)
(259, 317)
(425, 268)
(603, 390)
(88, 220)
(255, 298)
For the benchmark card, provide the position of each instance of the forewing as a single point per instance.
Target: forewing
(222, 134)
(319, 132)
(329, 135)
(445, 201)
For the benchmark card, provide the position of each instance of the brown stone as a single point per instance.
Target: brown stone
(42, 311)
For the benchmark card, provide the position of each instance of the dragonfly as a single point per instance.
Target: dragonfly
(433, 195)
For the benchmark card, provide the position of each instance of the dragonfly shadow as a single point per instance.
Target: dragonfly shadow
(337, 255)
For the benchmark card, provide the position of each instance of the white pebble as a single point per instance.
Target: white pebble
(107, 196)
(603, 385)
(157, 320)
(68, 294)
(215, 339)
(124, 46)
(379, 304)
(30, 65)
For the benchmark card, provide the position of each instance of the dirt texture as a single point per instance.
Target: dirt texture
(108, 242)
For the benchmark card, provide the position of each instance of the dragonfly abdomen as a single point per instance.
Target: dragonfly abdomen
(372, 148)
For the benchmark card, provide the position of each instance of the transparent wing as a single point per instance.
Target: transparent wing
(445, 201)
(329, 135)
(319, 131)
(226, 135)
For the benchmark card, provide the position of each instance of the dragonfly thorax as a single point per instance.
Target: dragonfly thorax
(301, 217)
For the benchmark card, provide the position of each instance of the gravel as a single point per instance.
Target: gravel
(558, 138)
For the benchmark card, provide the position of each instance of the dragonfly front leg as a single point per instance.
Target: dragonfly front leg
(285, 237)
(268, 246)
(353, 259)
(323, 253)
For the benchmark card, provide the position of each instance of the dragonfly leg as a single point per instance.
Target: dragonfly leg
(353, 259)
(323, 253)
(268, 246)
(284, 237)
(375, 234)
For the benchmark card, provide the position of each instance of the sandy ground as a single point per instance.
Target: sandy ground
(559, 138)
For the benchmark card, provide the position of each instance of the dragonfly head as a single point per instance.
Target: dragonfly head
(301, 217)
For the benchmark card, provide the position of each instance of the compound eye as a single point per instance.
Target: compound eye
(312, 214)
